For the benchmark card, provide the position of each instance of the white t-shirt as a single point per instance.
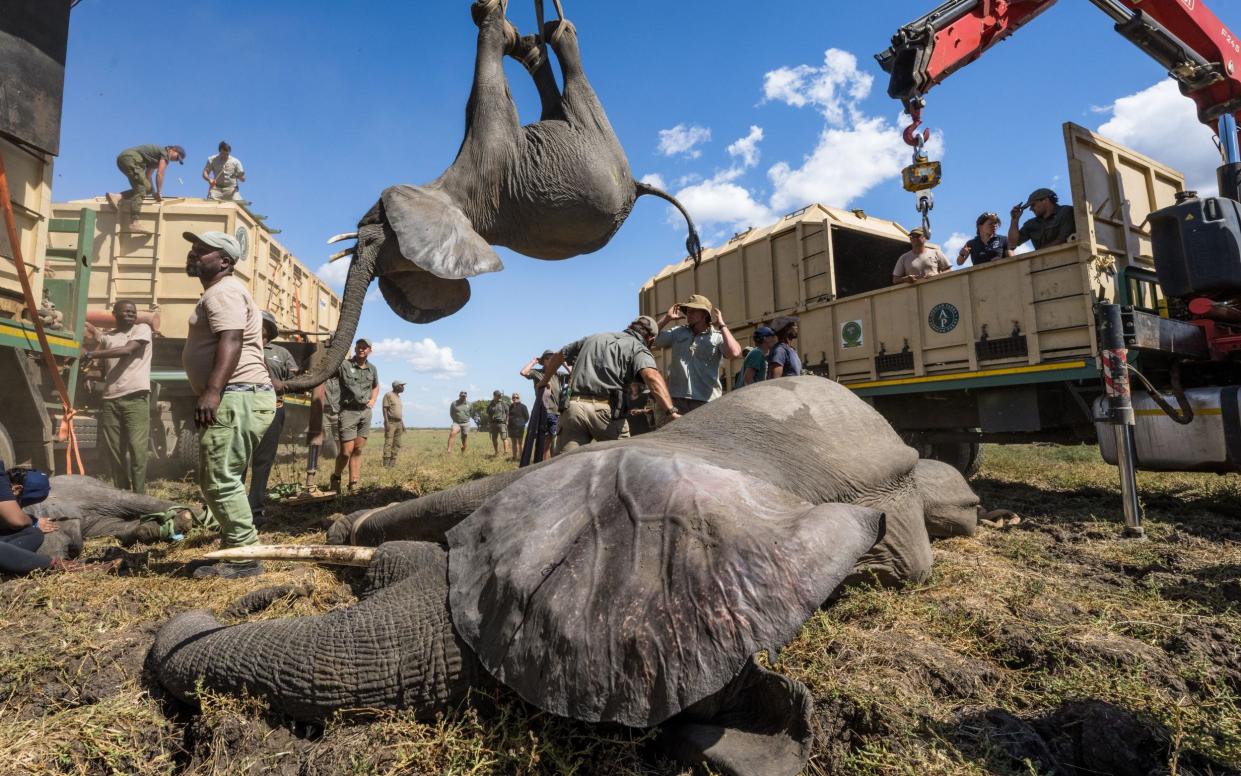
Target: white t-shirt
(127, 374)
(924, 265)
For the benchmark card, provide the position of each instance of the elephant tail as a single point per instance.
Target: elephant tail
(692, 244)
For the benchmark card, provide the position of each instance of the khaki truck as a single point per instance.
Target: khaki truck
(149, 269)
(1003, 352)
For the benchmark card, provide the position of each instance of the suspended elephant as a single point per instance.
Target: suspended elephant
(555, 189)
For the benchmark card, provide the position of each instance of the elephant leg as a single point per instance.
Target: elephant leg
(581, 104)
(533, 56)
(396, 649)
(490, 113)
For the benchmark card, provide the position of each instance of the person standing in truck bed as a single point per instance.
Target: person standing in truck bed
(919, 262)
(985, 246)
(1053, 223)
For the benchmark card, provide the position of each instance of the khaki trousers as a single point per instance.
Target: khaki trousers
(392, 440)
(586, 421)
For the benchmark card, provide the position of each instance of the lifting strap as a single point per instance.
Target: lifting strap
(65, 432)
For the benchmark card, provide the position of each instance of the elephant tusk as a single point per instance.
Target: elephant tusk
(345, 236)
(332, 555)
(342, 254)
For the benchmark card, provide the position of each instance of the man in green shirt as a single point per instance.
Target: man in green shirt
(603, 367)
(459, 412)
(359, 388)
(394, 423)
(281, 366)
(1053, 223)
(139, 164)
(497, 423)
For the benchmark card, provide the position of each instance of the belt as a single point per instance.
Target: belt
(248, 388)
(354, 407)
(589, 399)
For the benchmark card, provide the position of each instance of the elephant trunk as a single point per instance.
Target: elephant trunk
(425, 519)
(394, 650)
(361, 273)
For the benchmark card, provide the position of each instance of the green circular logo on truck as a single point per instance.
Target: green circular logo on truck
(851, 334)
(944, 317)
(243, 238)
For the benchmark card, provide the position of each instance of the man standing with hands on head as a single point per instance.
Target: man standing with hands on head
(125, 419)
(394, 423)
(697, 347)
(223, 359)
(359, 388)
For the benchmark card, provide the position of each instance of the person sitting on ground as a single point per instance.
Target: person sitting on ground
(223, 172)
(920, 261)
(497, 423)
(783, 360)
(698, 345)
(1053, 223)
(22, 535)
(139, 164)
(518, 417)
(985, 245)
(754, 367)
(459, 414)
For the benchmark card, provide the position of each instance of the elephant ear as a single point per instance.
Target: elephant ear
(625, 584)
(949, 505)
(435, 234)
(421, 297)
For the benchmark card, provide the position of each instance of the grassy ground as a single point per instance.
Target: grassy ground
(1054, 645)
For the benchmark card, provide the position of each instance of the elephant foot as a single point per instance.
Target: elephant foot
(481, 10)
(554, 32)
(529, 53)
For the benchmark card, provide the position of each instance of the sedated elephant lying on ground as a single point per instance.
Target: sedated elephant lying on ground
(627, 582)
(84, 508)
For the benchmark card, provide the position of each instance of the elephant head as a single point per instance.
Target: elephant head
(554, 189)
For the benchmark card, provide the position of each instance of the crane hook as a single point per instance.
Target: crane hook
(911, 135)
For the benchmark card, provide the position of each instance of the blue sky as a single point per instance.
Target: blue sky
(746, 110)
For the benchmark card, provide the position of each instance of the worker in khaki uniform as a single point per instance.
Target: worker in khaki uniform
(497, 423)
(394, 423)
(697, 346)
(223, 359)
(281, 366)
(459, 413)
(139, 164)
(222, 173)
(125, 418)
(603, 367)
(359, 388)
(919, 262)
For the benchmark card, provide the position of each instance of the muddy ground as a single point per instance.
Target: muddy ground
(1054, 646)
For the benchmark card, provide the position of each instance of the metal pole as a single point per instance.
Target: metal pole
(1116, 382)
(1228, 138)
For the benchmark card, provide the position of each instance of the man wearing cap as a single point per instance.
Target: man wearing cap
(223, 359)
(125, 416)
(754, 367)
(1053, 223)
(138, 165)
(603, 367)
(281, 366)
(784, 361)
(920, 261)
(359, 389)
(536, 371)
(518, 417)
(459, 413)
(497, 422)
(223, 172)
(697, 347)
(394, 423)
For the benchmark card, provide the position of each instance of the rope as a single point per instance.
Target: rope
(65, 433)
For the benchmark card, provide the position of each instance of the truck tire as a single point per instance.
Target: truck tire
(186, 454)
(8, 455)
(966, 457)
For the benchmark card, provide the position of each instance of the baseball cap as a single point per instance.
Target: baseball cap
(269, 319)
(496, 393)
(179, 150)
(782, 323)
(547, 354)
(763, 331)
(646, 322)
(398, 384)
(35, 488)
(220, 240)
(362, 342)
(917, 230)
(1038, 194)
(698, 302)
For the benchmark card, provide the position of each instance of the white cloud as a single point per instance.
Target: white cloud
(423, 355)
(718, 200)
(1163, 124)
(835, 88)
(954, 244)
(654, 179)
(333, 273)
(682, 139)
(747, 147)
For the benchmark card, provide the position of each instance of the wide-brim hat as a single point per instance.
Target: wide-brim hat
(698, 302)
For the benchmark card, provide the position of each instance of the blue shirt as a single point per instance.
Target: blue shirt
(695, 369)
(983, 252)
(754, 360)
(787, 357)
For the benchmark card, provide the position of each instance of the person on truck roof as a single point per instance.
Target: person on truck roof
(223, 172)
(125, 418)
(139, 164)
(985, 245)
(223, 359)
(697, 347)
(920, 261)
(1053, 223)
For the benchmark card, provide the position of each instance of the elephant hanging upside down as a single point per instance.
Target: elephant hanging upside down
(555, 189)
(629, 581)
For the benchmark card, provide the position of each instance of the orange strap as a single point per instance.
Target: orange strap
(65, 433)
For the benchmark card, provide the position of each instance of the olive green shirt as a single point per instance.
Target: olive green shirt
(1049, 231)
(394, 411)
(356, 383)
(459, 411)
(150, 153)
(331, 393)
(280, 363)
(606, 362)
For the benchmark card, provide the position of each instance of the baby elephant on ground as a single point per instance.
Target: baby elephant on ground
(85, 508)
(628, 582)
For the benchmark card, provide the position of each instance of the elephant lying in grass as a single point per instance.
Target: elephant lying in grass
(628, 582)
(85, 508)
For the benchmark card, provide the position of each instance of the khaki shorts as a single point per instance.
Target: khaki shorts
(354, 424)
(460, 428)
(499, 433)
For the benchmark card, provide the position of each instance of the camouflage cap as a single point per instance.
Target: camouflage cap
(918, 231)
(269, 320)
(1038, 194)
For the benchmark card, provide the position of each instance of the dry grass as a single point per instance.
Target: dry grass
(1055, 638)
